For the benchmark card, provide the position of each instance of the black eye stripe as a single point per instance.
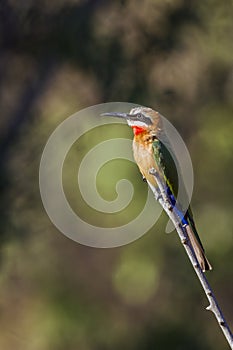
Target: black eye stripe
(141, 117)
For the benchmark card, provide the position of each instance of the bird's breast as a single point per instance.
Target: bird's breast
(144, 157)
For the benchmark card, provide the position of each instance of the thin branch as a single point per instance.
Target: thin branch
(163, 199)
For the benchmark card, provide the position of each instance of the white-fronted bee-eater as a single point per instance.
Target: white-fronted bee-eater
(151, 153)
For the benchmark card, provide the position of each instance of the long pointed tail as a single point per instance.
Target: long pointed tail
(198, 249)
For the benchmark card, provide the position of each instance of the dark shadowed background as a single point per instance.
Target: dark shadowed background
(57, 58)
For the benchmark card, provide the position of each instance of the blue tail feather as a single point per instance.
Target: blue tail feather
(174, 205)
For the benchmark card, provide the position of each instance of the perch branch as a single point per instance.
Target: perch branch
(162, 197)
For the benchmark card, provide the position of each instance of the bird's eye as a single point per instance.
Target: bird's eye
(140, 116)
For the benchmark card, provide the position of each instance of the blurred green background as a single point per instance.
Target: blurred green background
(59, 57)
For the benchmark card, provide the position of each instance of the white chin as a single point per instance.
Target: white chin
(137, 123)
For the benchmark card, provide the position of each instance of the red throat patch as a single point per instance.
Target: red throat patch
(137, 130)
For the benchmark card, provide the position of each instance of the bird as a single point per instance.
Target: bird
(152, 153)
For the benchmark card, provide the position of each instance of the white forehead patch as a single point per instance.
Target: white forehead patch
(140, 110)
(135, 110)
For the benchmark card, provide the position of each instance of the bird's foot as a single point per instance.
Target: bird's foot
(152, 171)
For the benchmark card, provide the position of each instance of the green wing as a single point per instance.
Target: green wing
(164, 158)
(166, 163)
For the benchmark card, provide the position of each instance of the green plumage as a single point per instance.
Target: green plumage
(168, 167)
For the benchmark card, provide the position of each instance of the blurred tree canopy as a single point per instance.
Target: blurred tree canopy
(57, 58)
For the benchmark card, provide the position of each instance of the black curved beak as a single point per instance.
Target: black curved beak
(134, 117)
(117, 115)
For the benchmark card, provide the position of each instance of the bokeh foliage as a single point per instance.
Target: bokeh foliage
(57, 58)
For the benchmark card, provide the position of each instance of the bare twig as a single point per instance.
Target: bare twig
(163, 199)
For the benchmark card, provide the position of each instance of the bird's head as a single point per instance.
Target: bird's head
(140, 119)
